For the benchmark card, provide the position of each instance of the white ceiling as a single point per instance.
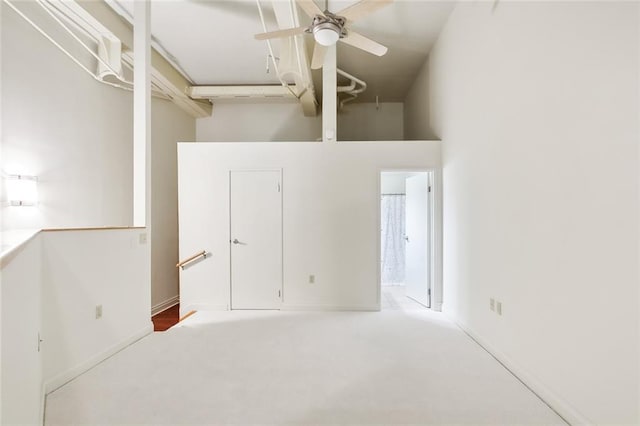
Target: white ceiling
(213, 41)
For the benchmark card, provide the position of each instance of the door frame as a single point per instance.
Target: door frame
(264, 169)
(434, 256)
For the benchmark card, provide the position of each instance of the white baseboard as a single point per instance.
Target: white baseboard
(66, 376)
(329, 308)
(557, 404)
(163, 306)
(204, 307)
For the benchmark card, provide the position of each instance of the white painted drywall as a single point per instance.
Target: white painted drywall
(330, 217)
(51, 285)
(371, 122)
(84, 269)
(274, 122)
(76, 136)
(537, 107)
(416, 107)
(244, 122)
(61, 125)
(21, 363)
(394, 182)
(169, 125)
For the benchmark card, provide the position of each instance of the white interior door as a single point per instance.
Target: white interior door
(256, 239)
(417, 237)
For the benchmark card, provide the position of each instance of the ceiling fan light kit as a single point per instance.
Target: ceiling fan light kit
(327, 34)
(328, 28)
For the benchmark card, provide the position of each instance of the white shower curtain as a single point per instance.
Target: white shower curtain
(392, 239)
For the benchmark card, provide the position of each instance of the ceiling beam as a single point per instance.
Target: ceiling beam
(294, 60)
(241, 92)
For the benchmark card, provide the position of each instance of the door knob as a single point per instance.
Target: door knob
(406, 238)
(236, 241)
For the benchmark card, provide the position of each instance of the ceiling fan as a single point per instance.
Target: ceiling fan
(328, 28)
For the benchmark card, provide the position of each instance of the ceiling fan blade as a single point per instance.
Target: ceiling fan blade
(362, 9)
(318, 56)
(361, 42)
(281, 33)
(310, 8)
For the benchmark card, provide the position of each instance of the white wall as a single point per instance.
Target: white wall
(537, 107)
(368, 122)
(84, 269)
(395, 182)
(417, 124)
(61, 125)
(274, 122)
(76, 135)
(330, 217)
(51, 285)
(169, 125)
(21, 363)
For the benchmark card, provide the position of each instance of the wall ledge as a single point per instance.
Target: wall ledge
(95, 228)
(13, 242)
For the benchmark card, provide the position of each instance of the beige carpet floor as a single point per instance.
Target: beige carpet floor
(404, 366)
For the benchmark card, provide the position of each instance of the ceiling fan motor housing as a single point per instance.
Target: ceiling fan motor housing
(328, 29)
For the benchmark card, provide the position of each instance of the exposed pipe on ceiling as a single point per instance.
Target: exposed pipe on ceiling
(9, 3)
(350, 90)
(272, 55)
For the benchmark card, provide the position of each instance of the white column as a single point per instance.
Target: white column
(141, 113)
(329, 96)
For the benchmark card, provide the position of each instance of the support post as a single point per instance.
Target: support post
(142, 131)
(329, 96)
(141, 113)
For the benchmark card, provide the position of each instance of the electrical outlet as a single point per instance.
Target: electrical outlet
(499, 308)
(492, 304)
(98, 311)
(142, 238)
(312, 279)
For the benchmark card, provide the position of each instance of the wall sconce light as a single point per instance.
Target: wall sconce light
(22, 190)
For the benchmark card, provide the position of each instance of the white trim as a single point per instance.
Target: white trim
(43, 403)
(437, 287)
(66, 376)
(561, 407)
(163, 306)
(370, 308)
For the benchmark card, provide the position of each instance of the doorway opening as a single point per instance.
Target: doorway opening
(406, 234)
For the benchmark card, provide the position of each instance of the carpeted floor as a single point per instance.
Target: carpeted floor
(270, 367)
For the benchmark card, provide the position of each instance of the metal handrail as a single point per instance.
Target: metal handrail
(183, 263)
